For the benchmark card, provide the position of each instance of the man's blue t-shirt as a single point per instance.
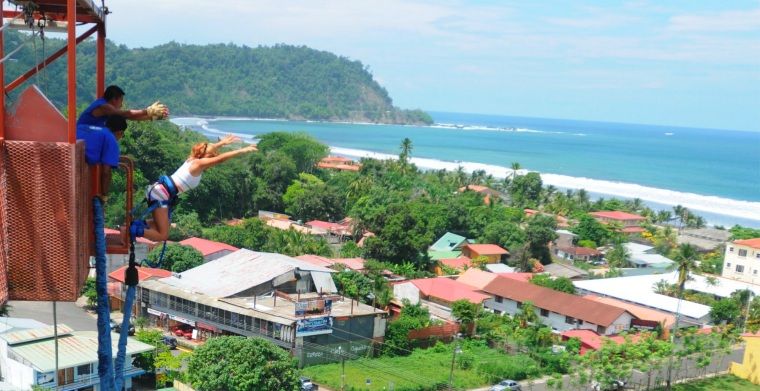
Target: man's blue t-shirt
(86, 118)
(100, 145)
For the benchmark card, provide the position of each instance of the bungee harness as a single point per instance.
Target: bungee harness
(139, 224)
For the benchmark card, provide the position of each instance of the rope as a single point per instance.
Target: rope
(105, 354)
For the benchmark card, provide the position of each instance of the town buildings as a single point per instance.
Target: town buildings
(28, 350)
(742, 260)
(292, 303)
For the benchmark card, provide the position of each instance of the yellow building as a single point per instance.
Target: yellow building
(748, 369)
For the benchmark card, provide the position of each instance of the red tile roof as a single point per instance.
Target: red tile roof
(638, 311)
(617, 215)
(475, 188)
(476, 278)
(524, 277)
(559, 302)
(754, 243)
(448, 290)
(486, 249)
(456, 263)
(207, 247)
(351, 263)
(593, 340)
(143, 273)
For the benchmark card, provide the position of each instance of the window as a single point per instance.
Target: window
(580, 322)
(544, 313)
(84, 369)
(519, 305)
(754, 272)
(757, 256)
(728, 264)
(569, 320)
(601, 330)
(740, 268)
(730, 249)
(497, 312)
(499, 299)
(743, 253)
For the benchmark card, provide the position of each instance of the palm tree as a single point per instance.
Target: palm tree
(515, 166)
(685, 258)
(661, 287)
(664, 216)
(619, 256)
(406, 149)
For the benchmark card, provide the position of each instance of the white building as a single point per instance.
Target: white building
(29, 358)
(562, 311)
(742, 260)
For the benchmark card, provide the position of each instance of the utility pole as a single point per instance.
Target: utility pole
(454, 353)
(673, 341)
(343, 369)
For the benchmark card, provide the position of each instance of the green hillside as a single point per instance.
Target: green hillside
(283, 81)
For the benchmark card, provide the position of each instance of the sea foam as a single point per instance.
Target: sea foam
(744, 210)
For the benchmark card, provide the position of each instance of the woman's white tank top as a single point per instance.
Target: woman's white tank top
(184, 180)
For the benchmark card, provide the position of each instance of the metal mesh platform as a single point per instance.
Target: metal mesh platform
(47, 210)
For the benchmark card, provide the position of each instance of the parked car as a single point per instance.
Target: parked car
(116, 328)
(307, 385)
(171, 342)
(614, 385)
(506, 385)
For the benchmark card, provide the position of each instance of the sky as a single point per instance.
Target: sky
(678, 63)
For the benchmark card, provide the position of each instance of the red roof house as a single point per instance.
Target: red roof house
(443, 291)
(211, 250)
(630, 222)
(494, 253)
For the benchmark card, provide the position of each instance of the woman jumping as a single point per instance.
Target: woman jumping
(202, 157)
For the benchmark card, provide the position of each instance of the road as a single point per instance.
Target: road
(67, 313)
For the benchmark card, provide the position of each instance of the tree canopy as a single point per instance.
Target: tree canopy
(280, 81)
(242, 364)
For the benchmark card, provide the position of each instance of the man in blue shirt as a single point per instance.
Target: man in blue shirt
(110, 105)
(102, 147)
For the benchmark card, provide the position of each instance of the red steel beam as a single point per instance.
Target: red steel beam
(46, 62)
(72, 64)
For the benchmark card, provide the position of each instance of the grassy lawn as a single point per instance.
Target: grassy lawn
(722, 383)
(423, 370)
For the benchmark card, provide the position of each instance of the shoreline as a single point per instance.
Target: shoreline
(716, 210)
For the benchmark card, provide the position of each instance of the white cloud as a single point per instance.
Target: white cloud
(744, 20)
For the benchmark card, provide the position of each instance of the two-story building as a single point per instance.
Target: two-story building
(742, 260)
(32, 355)
(291, 303)
(562, 311)
(629, 222)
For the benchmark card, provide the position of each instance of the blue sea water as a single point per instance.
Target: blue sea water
(716, 173)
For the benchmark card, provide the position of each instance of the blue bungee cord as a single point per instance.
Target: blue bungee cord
(105, 354)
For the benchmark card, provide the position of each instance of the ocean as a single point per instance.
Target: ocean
(715, 173)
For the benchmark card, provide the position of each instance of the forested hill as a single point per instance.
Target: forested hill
(293, 82)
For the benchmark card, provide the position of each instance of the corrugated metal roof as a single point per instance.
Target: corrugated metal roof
(76, 349)
(323, 282)
(17, 337)
(449, 290)
(238, 272)
(638, 289)
(448, 242)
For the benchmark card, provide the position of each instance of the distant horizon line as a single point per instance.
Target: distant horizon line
(594, 121)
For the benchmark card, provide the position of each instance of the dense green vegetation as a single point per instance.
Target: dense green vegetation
(283, 81)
